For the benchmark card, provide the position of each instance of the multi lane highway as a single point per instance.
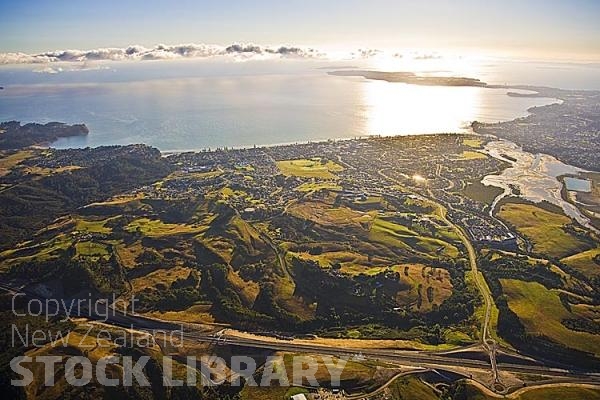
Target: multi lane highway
(456, 361)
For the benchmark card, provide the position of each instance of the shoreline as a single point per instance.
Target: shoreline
(506, 114)
(300, 143)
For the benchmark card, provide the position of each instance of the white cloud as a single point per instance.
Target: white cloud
(159, 52)
(427, 56)
(69, 67)
(237, 51)
(366, 53)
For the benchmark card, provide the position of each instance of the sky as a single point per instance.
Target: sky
(551, 29)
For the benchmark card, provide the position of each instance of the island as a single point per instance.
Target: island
(412, 78)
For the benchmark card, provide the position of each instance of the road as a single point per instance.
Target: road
(404, 357)
(487, 341)
(451, 362)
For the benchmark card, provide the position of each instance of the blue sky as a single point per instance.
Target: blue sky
(548, 27)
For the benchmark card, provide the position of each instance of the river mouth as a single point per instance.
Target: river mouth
(533, 177)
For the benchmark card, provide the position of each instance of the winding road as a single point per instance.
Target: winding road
(489, 344)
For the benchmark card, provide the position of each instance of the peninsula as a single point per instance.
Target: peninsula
(13, 135)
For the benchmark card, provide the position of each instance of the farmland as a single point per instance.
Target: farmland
(313, 168)
(586, 262)
(541, 311)
(546, 230)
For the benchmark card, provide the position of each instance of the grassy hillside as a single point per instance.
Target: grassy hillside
(550, 233)
(541, 312)
(586, 262)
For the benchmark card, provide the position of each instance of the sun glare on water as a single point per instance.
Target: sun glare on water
(398, 108)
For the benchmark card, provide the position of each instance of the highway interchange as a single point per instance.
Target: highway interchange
(456, 361)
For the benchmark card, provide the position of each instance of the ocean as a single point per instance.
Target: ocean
(191, 105)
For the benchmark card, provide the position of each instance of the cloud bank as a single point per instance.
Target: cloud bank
(159, 52)
(61, 61)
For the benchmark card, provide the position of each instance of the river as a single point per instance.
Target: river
(535, 176)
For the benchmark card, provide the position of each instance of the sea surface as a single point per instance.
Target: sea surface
(196, 105)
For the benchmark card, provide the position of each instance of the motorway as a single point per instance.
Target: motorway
(455, 362)
(403, 357)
